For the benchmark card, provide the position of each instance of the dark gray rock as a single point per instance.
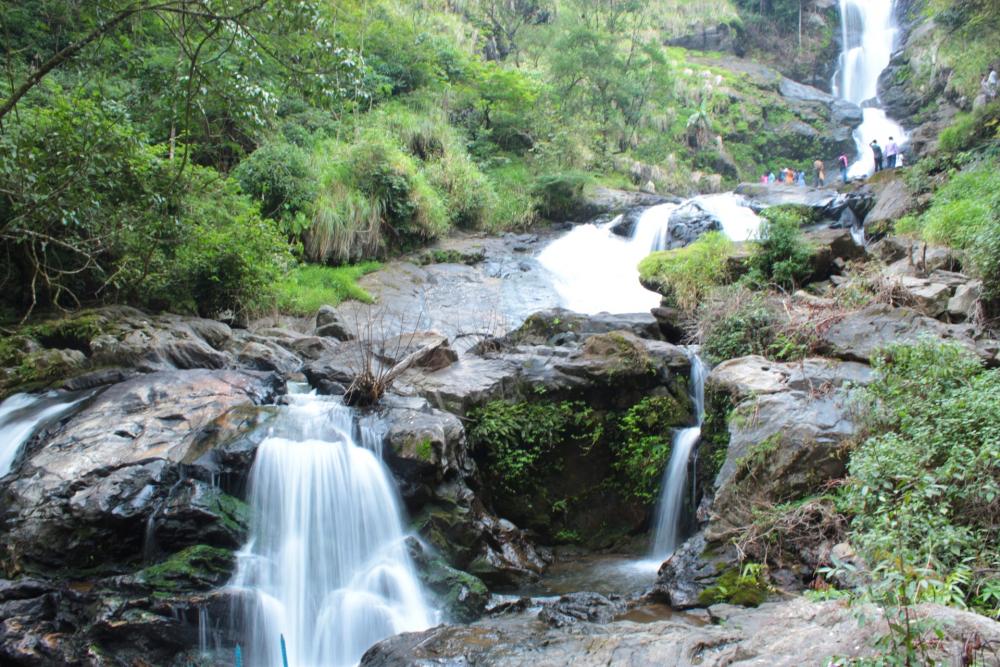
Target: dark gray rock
(331, 324)
(84, 495)
(689, 222)
(576, 607)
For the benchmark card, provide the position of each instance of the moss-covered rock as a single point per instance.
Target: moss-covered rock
(462, 596)
(746, 587)
(200, 567)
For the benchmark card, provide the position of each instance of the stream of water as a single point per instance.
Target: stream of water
(326, 565)
(22, 415)
(869, 33)
(595, 270)
(670, 512)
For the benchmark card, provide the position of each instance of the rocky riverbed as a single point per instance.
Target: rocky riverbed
(121, 518)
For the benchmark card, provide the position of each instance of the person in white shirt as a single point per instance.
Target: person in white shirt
(891, 151)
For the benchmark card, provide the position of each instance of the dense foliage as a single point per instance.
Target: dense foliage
(924, 486)
(780, 256)
(965, 214)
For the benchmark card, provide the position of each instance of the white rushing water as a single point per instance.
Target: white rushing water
(669, 519)
(22, 415)
(326, 565)
(869, 36)
(594, 270)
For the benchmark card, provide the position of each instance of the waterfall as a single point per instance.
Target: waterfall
(669, 519)
(869, 34)
(595, 270)
(22, 415)
(326, 564)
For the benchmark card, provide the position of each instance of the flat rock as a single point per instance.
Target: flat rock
(860, 334)
(792, 633)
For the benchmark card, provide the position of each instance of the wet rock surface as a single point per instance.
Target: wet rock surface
(84, 496)
(784, 634)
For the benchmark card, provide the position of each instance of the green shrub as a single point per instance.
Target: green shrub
(970, 129)
(780, 256)
(229, 259)
(279, 176)
(642, 447)
(516, 203)
(516, 437)
(684, 276)
(561, 196)
(924, 487)
(965, 214)
(743, 328)
(307, 287)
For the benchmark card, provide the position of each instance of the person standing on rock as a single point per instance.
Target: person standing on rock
(843, 162)
(891, 151)
(820, 174)
(877, 152)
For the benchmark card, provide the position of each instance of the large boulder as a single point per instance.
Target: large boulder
(893, 200)
(786, 433)
(88, 495)
(859, 335)
(688, 222)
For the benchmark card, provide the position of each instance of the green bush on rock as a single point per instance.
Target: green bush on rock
(684, 276)
(780, 256)
(642, 449)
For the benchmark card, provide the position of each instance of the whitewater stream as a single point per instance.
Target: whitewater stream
(326, 566)
(869, 33)
(23, 415)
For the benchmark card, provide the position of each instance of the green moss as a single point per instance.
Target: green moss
(747, 587)
(684, 276)
(199, 567)
(233, 513)
(425, 452)
(463, 596)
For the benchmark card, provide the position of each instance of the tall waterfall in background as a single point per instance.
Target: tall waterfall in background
(869, 36)
(326, 564)
(675, 480)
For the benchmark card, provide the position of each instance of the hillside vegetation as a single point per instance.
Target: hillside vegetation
(186, 154)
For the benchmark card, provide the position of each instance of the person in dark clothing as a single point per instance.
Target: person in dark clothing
(877, 151)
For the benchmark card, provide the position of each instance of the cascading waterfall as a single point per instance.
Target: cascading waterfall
(326, 564)
(22, 415)
(669, 519)
(595, 270)
(869, 35)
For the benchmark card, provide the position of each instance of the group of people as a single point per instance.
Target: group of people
(792, 177)
(888, 158)
(786, 176)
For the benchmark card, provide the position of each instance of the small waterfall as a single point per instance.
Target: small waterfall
(595, 270)
(326, 565)
(22, 415)
(869, 34)
(669, 519)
